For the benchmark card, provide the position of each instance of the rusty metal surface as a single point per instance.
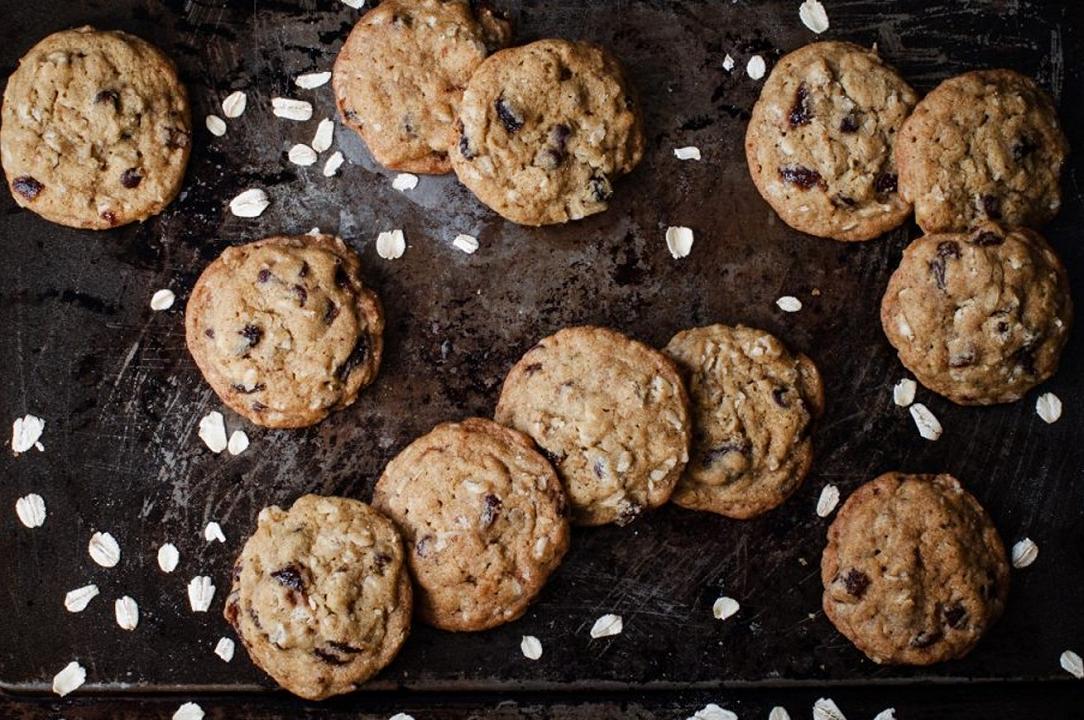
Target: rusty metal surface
(122, 398)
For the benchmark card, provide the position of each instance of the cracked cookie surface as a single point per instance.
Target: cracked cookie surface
(753, 404)
(321, 597)
(609, 412)
(96, 129)
(914, 572)
(981, 317)
(399, 77)
(284, 330)
(483, 516)
(819, 142)
(546, 130)
(985, 145)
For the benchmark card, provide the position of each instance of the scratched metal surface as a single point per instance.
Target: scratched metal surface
(122, 397)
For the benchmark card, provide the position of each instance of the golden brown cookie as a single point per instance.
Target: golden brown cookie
(914, 572)
(321, 597)
(284, 330)
(483, 515)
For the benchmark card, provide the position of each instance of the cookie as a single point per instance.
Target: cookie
(985, 145)
(321, 597)
(914, 572)
(753, 404)
(284, 330)
(609, 412)
(546, 130)
(820, 139)
(399, 77)
(483, 516)
(96, 129)
(981, 317)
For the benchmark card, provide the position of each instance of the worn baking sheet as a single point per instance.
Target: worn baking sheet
(122, 397)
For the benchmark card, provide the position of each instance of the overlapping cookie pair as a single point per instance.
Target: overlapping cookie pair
(539, 132)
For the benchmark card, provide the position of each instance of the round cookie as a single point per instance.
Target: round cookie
(753, 405)
(609, 412)
(321, 597)
(284, 330)
(980, 318)
(914, 572)
(400, 76)
(985, 145)
(96, 129)
(819, 142)
(546, 129)
(483, 515)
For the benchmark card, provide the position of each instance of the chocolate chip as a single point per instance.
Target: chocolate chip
(423, 545)
(248, 391)
(991, 206)
(109, 216)
(710, 457)
(290, 576)
(849, 123)
(856, 582)
(800, 113)
(302, 294)
(780, 395)
(803, 177)
(27, 186)
(956, 617)
(263, 276)
(491, 509)
(629, 512)
(252, 333)
(330, 312)
(946, 249)
(511, 121)
(600, 188)
(1023, 147)
(986, 238)
(108, 96)
(926, 638)
(531, 369)
(354, 359)
(885, 183)
(131, 178)
(328, 657)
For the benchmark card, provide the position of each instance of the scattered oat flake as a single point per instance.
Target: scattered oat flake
(333, 164)
(234, 105)
(77, 600)
(607, 625)
(312, 80)
(104, 549)
(755, 68)
(711, 711)
(357, 4)
(687, 153)
(325, 132)
(789, 303)
(213, 531)
(224, 648)
(70, 678)
(302, 155)
(728, 63)
(531, 647)
(216, 125)
(1072, 664)
(928, 425)
(679, 241)
(31, 510)
(238, 440)
(398, 716)
(779, 713)
(188, 711)
(200, 593)
(887, 714)
(828, 500)
(826, 709)
(466, 243)
(26, 433)
(212, 431)
(1024, 553)
(1049, 407)
(168, 557)
(404, 181)
(391, 244)
(250, 203)
(813, 16)
(290, 109)
(127, 612)
(162, 299)
(903, 392)
(725, 608)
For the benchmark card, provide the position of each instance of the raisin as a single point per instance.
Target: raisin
(330, 312)
(209, 332)
(945, 250)
(779, 395)
(710, 457)
(599, 468)
(508, 117)
(1003, 327)
(248, 391)
(381, 561)
(849, 123)
(258, 406)
(600, 188)
(956, 617)
(1025, 359)
(302, 294)
(491, 508)
(986, 238)
(926, 638)
(131, 178)
(329, 658)
(341, 278)
(27, 186)
(629, 512)
(991, 206)
(856, 582)
(354, 359)
(558, 140)
(263, 276)
(843, 201)
(801, 176)
(304, 271)
(251, 333)
(344, 648)
(531, 369)
(800, 113)
(563, 73)
(1023, 147)
(464, 148)
(108, 96)
(961, 359)
(885, 183)
(109, 216)
(554, 458)
(290, 576)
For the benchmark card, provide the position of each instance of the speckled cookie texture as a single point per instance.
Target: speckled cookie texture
(914, 572)
(609, 412)
(400, 76)
(546, 130)
(753, 406)
(985, 145)
(284, 330)
(96, 129)
(321, 596)
(820, 139)
(979, 317)
(484, 518)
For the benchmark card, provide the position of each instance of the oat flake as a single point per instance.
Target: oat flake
(357, 4)
(26, 433)
(391, 244)
(188, 711)
(290, 109)
(928, 425)
(687, 153)
(224, 648)
(607, 625)
(404, 181)
(728, 63)
(213, 531)
(234, 105)
(903, 392)
(725, 608)
(333, 164)
(70, 678)
(238, 441)
(779, 713)
(1048, 406)
(216, 125)
(1024, 553)
(789, 303)
(826, 709)
(302, 155)
(77, 600)
(397, 716)
(888, 714)
(828, 500)
(1072, 664)
(127, 612)
(325, 132)
(756, 68)
(200, 593)
(531, 647)
(711, 711)
(212, 431)
(168, 557)
(813, 16)
(250, 203)
(104, 549)
(312, 80)
(31, 510)
(162, 300)
(466, 243)
(679, 241)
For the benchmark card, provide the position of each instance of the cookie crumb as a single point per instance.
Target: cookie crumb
(127, 613)
(162, 300)
(325, 133)
(826, 709)
(607, 625)
(212, 431)
(1072, 664)
(928, 425)
(234, 105)
(404, 181)
(391, 244)
(72, 678)
(725, 608)
(104, 550)
(238, 442)
(290, 109)
(188, 711)
(168, 557)
(789, 303)
(224, 648)
(813, 16)
(903, 393)
(756, 67)
(200, 593)
(828, 500)
(77, 600)
(1024, 553)
(26, 433)
(213, 531)
(679, 241)
(333, 164)
(531, 647)
(728, 63)
(216, 125)
(466, 243)
(31, 510)
(310, 81)
(690, 152)
(250, 203)
(1048, 406)
(302, 155)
